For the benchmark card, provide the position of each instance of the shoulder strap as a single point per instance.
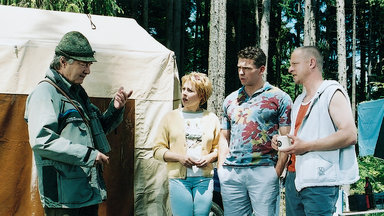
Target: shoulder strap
(65, 94)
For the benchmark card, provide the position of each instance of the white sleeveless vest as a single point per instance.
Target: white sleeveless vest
(322, 168)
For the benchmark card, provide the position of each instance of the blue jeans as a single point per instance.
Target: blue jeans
(309, 201)
(249, 190)
(293, 205)
(191, 196)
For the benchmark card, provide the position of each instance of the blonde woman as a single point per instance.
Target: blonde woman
(187, 140)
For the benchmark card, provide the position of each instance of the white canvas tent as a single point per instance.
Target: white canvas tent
(127, 56)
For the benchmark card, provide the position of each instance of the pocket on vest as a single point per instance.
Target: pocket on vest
(314, 168)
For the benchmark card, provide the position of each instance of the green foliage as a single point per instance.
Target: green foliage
(373, 168)
(288, 85)
(72, 8)
(376, 90)
(376, 2)
(105, 7)
(286, 33)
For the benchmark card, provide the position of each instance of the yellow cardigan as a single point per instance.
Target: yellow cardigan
(171, 137)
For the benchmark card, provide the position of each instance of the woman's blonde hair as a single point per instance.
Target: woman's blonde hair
(202, 85)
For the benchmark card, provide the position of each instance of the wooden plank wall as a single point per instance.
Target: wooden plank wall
(18, 187)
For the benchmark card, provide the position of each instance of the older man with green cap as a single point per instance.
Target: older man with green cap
(67, 133)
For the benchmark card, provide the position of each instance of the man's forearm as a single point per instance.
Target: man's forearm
(223, 148)
(223, 151)
(281, 163)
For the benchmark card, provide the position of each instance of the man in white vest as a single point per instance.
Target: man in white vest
(323, 134)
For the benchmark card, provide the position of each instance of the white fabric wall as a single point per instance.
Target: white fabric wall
(127, 56)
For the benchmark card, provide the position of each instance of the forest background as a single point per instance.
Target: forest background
(353, 49)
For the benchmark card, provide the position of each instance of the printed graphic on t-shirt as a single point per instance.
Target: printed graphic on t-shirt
(193, 137)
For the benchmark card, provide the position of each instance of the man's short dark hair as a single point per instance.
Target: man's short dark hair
(254, 53)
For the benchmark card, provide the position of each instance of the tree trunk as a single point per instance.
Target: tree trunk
(278, 47)
(217, 54)
(346, 188)
(369, 51)
(273, 75)
(297, 43)
(354, 60)
(175, 31)
(264, 32)
(341, 43)
(257, 23)
(309, 24)
(205, 48)
(178, 31)
(134, 8)
(170, 25)
(145, 14)
(328, 35)
(238, 27)
(197, 33)
(362, 25)
(317, 16)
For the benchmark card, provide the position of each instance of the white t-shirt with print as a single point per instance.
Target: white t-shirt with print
(193, 137)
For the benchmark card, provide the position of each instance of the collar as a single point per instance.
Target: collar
(243, 96)
(60, 80)
(323, 86)
(65, 81)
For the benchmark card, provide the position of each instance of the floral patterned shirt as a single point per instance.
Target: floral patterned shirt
(252, 121)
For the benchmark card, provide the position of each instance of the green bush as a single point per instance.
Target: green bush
(373, 168)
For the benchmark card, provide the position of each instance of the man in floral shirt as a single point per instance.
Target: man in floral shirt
(248, 166)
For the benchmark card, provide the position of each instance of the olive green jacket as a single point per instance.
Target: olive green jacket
(64, 145)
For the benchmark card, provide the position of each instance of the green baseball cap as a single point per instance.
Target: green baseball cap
(76, 46)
